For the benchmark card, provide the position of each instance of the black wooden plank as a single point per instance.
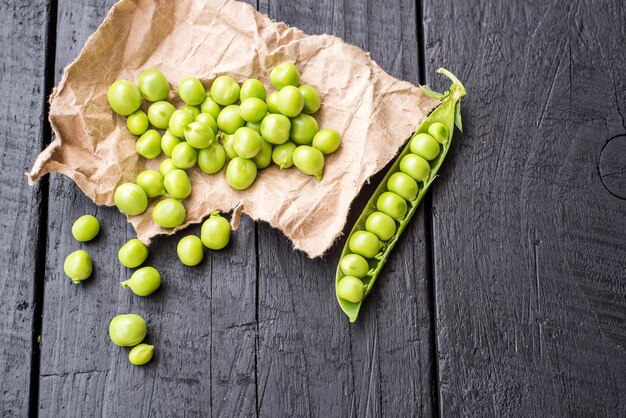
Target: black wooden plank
(199, 321)
(23, 37)
(529, 246)
(310, 360)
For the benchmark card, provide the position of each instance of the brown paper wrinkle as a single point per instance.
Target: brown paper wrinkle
(374, 112)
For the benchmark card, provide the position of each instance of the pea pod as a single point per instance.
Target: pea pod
(447, 114)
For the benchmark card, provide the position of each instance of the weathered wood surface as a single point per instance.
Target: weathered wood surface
(507, 297)
(529, 246)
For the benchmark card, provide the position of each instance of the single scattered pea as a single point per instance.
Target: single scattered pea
(415, 166)
(354, 265)
(212, 159)
(312, 100)
(225, 90)
(85, 228)
(184, 156)
(381, 225)
(403, 185)
(124, 97)
(190, 250)
(210, 107)
(264, 157)
(253, 109)
(133, 253)
(199, 134)
(137, 122)
(168, 142)
(77, 266)
(177, 184)
(151, 181)
(141, 354)
(425, 146)
(178, 121)
(149, 144)
(144, 281)
(272, 103)
(439, 131)
(247, 142)
(215, 232)
(166, 166)
(364, 243)
(130, 199)
(229, 119)
(303, 129)
(252, 88)
(241, 173)
(327, 140)
(153, 85)
(290, 101)
(169, 213)
(282, 154)
(159, 114)
(127, 330)
(191, 91)
(392, 204)
(285, 74)
(275, 128)
(351, 289)
(309, 160)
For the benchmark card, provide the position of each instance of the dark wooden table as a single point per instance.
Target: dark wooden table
(506, 296)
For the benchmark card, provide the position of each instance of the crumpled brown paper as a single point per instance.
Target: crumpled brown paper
(374, 112)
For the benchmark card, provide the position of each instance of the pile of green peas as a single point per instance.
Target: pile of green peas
(239, 127)
(392, 205)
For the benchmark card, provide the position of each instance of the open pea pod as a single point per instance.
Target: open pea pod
(448, 113)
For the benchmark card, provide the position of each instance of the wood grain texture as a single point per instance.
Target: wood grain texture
(529, 246)
(23, 37)
(199, 321)
(311, 362)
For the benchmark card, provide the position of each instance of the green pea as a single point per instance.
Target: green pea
(209, 120)
(177, 184)
(169, 213)
(282, 155)
(327, 140)
(210, 107)
(264, 157)
(215, 232)
(127, 330)
(303, 129)
(229, 119)
(85, 228)
(241, 173)
(124, 97)
(354, 265)
(199, 135)
(253, 109)
(190, 250)
(312, 100)
(178, 121)
(403, 185)
(275, 128)
(144, 281)
(415, 166)
(309, 160)
(153, 85)
(141, 354)
(133, 253)
(168, 142)
(254, 125)
(252, 88)
(137, 122)
(184, 155)
(364, 243)
(225, 90)
(149, 144)
(151, 181)
(290, 101)
(166, 166)
(285, 74)
(272, 103)
(77, 266)
(130, 199)
(228, 141)
(247, 142)
(381, 225)
(160, 113)
(425, 146)
(392, 204)
(194, 110)
(351, 289)
(191, 91)
(439, 131)
(212, 159)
